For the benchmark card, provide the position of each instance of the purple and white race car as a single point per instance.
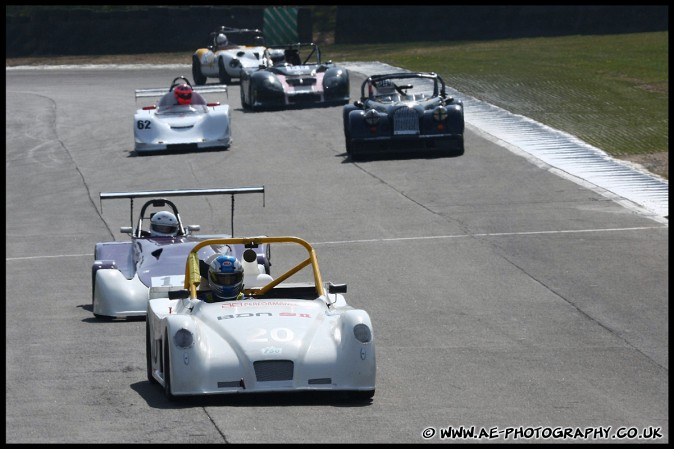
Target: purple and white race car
(125, 275)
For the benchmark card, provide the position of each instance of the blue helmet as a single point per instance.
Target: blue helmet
(225, 275)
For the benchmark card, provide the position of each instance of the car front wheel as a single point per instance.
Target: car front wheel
(167, 371)
(148, 352)
(199, 78)
(222, 73)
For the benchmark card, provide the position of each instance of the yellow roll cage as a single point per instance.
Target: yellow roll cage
(193, 275)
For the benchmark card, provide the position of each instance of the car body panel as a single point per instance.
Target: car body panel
(303, 82)
(404, 112)
(125, 275)
(281, 337)
(169, 126)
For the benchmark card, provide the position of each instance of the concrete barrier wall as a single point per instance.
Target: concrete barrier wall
(76, 30)
(382, 24)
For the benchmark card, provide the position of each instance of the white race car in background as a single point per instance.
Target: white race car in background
(167, 126)
(281, 337)
(244, 49)
(126, 274)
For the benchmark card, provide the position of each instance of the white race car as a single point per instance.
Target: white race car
(126, 274)
(169, 126)
(233, 49)
(281, 337)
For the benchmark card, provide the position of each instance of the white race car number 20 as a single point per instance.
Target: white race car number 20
(143, 124)
(282, 334)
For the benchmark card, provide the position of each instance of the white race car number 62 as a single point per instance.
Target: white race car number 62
(143, 124)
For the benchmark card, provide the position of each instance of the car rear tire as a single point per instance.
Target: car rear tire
(222, 73)
(199, 78)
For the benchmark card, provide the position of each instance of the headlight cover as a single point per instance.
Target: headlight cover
(362, 333)
(440, 114)
(272, 83)
(183, 339)
(371, 117)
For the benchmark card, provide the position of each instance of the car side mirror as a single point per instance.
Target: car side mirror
(358, 103)
(126, 229)
(193, 228)
(336, 288)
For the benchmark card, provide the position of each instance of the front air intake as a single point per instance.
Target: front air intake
(405, 121)
(270, 370)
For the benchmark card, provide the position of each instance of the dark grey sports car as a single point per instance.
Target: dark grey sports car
(404, 112)
(294, 76)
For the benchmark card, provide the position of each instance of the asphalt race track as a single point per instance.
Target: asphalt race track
(504, 298)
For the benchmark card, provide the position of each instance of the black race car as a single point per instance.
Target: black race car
(294, 76)
(404, 112)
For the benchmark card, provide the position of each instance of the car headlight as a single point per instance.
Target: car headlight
(440, 114)
(362, 333)
(183, 339)
(371, 117)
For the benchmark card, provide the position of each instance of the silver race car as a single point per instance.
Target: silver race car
(182, 119)
(126, 274)
(233, 49)
(280, 336)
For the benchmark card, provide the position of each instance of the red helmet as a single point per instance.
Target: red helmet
(183, 94)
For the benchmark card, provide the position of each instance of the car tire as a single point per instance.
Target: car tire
(167, 371)
(365, 395)
(148, 352)
(251, 104)
(349, 145)
(223, 76)
(459, 148)
(199, 78)
(347, 135)
(244, 105)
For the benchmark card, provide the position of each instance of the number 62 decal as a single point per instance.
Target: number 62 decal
(143, 124)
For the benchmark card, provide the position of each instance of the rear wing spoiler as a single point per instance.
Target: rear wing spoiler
(181, 192)
(159, 91)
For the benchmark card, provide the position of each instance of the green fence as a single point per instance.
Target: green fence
(280, 26)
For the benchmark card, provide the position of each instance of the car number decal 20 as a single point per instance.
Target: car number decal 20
(144, 124)
(261, 335)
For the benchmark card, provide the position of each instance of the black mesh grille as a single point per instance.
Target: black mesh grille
(304, 98)
(405, 121)
(301, 81)
(269, 370)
